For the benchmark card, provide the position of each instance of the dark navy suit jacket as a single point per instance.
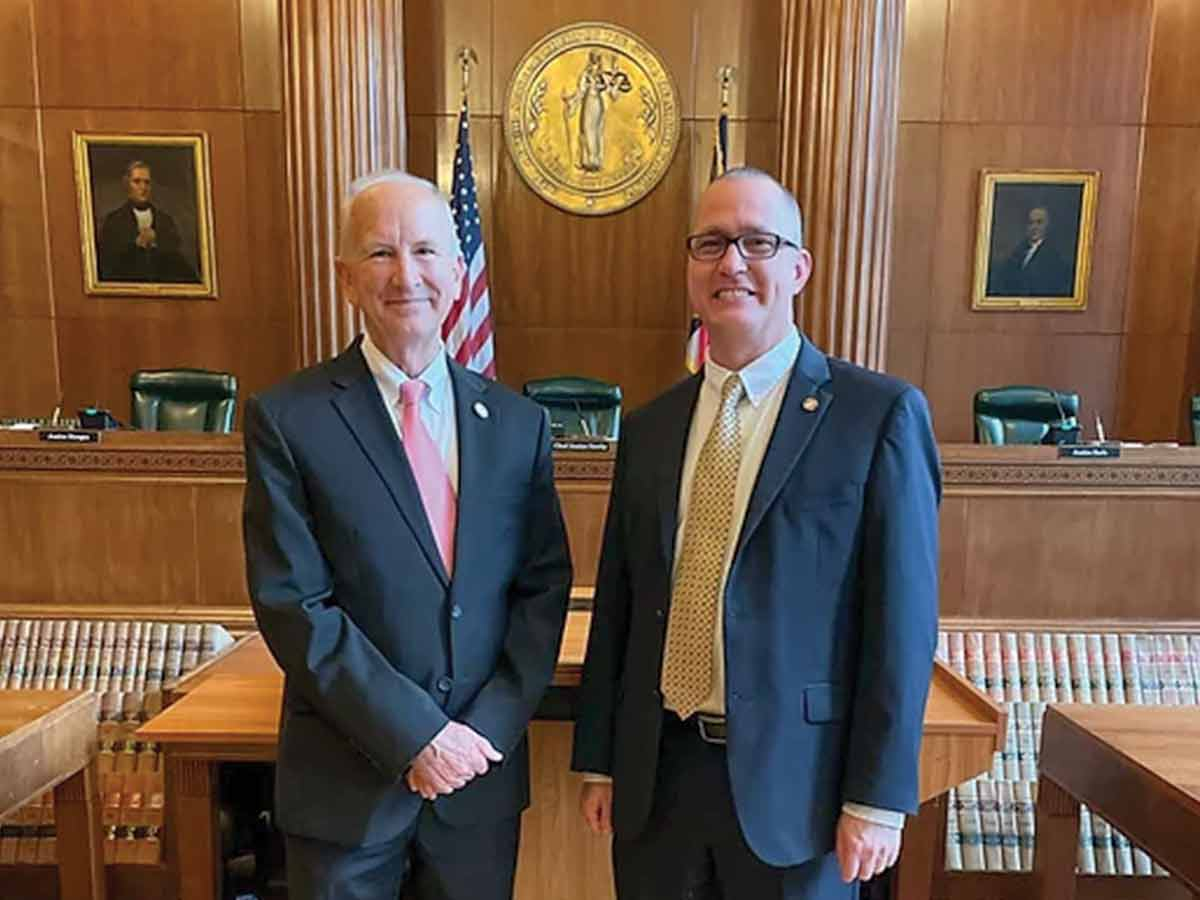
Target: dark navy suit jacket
(379, 647)
(830, 609)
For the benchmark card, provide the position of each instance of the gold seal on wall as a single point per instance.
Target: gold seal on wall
(592, 118)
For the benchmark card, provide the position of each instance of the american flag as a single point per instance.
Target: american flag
(697, 343)
(467, 330)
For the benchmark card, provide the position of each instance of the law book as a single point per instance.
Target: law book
(116, 672)
(39, 655)
(26, 638)
(1181, 663)
(1148, 670)
(1010, 840)
(1106, 862)
(10, 835)
(104, 662)
(83, 638)
(1031, 689)
(1012, 751)
(1081, 682)
(958, 652)
(8, 644)
(155, 665)
(143, 660)
(1130, 668)
(1027, 749)
(1113, 672)
(1087, 847)
(1123, 851)
(213, 639)
(943, 647)
(1096, 671)
(1047, 683)
(954, 850)
(974, 658)
(133, 657)
(173, 657)
(970, 827)
(1164, 655)
(192, 633)
(1026, 820)
(989, 820)
(1194, 646)
(1010, 666)
(993, 666)
(66, 670)
(1062, 670)
(95, 648)
(58, 632)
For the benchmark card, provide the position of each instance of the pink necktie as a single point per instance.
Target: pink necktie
(433, 481)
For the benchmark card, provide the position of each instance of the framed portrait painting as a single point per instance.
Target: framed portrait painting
(1033, 244)
(145, 214)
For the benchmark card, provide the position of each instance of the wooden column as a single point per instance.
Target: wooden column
(839, 92)
(344, 108)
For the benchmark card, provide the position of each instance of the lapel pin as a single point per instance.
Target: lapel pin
(810, 404)
(480, 409)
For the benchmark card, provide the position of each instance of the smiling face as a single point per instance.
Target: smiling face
(400, 265)
(747, 304)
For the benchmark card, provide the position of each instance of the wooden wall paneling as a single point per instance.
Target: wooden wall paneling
(261, 53)
(919, 233)
(161, 54)
(24, 280)
(954, 536)
(1174, 65)
(747, 37)
(960, 363)
(1070, 61)
(29, 386)
(433, 32)
(584, 505)
(556, 269)
(220, 561)
(17, 87)
(923, 61)
(668, 26)
(968, 149)
(1162, 283)
(1153, 402)
(751, 143)
(119, 544)
(271, 288)
(99, 355)
(644, 362)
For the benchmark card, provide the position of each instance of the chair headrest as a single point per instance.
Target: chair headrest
(574, 392)
(184, 382)
(1037, 404)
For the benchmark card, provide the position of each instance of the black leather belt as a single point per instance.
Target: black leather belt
(712, 728)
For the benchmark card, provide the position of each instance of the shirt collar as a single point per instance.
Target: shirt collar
(390, 376)
(760, 376)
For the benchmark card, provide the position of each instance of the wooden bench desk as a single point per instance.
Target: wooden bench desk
(1138, 767)
(48, 740)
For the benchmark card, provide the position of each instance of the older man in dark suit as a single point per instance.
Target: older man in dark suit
(408, 568)
(766, 606)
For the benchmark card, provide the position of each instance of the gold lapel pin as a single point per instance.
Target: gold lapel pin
(480, 409)
(810, 404)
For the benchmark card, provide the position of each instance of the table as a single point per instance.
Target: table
(48, 740)
(1138, 767)
(233, 715)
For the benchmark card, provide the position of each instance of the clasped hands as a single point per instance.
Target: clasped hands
(456, 755)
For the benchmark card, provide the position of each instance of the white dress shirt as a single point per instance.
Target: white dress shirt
(765, 382)
(437, 407)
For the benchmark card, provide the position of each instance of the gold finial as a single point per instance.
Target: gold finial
(466, 59)
(726, 75)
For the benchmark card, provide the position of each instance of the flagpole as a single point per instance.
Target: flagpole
(466, 58)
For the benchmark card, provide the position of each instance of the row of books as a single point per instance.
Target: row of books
(1077, 668)
(990, 822)
(127, 663)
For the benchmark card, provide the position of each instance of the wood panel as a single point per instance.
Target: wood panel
(1070, 61)
(266, 226)
(24, 282)
(220, 560)
(433, 32)
(751, 143)
(1151, 405)
(961, 363)
(99, 355)
(157, 54)
(584, 507)
(30, 383)
(668, 26)
(1162, 283)
(918, 238)
(262, 64)
(17, 87)
(923, 60)
(907, 350)
(747, 37)
(1175, 67)
(967, 149)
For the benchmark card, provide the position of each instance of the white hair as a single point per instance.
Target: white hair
(365, 183)
(790, 202)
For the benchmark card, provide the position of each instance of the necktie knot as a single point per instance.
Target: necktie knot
(731, 391)
(412, 392)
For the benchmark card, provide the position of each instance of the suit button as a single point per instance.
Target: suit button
(659, 613)
(456, 611)
(655, 693)
(444, 684)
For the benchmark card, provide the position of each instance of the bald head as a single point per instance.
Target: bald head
(389, 188)
(790, 222)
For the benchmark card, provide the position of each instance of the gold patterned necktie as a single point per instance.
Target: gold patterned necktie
(687, 676)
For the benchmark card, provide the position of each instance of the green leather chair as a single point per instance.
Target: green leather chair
(1196, 419)
(183, 400)
(1026, 414)
(578, 407)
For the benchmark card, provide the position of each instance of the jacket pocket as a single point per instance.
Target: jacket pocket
(824, 702)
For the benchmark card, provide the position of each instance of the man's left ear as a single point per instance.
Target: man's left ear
(804, 267)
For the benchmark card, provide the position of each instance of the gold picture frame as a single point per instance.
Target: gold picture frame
(1033, 245)
(145, 214)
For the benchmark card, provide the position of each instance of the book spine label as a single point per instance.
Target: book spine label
(970, 827)
(1113, 670)
(954, 849)
(1009, 836)
(1087, 847)
(1026, 821)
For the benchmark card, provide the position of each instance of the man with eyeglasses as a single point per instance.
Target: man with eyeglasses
(766, 608)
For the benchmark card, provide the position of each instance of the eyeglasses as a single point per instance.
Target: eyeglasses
(751, 245)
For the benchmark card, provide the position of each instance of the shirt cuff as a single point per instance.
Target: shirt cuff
(886, 817)
(596, 778)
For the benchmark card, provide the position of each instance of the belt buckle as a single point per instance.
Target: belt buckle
(712, 728)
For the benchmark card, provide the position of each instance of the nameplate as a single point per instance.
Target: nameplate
(67, 436)
(581, 445)
(1089, 451)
